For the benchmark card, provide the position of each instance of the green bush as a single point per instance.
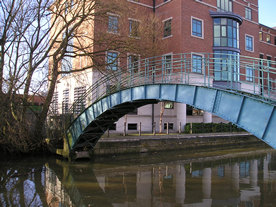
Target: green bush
(212, 127)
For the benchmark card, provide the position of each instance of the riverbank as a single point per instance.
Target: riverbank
(133, 143)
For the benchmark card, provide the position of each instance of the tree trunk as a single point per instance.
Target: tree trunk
(38, 135)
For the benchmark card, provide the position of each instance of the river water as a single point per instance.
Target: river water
(240, 177)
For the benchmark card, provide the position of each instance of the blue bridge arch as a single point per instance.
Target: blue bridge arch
(249, 113)
(251, 109)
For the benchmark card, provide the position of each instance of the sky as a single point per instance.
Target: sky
(267, 12)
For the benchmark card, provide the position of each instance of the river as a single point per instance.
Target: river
(237, 177)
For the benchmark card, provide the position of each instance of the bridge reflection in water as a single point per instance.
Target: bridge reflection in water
(237, 181)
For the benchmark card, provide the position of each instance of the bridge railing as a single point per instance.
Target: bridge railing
(239, 74)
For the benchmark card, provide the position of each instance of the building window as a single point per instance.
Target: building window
(261, 36)
(55, 102)
(132, 126)
(226, 33)
(65, 101)
(133, 63)
(249, 43)
(79, 99)
(197, 63)
(170, 126)
(113, 24)
(225, 5)
(226, 65)
(269, 61)
(248, 13)
(268, 38)
(133, 28)
(168, 28)
(167, 63)
(168, 105)
(197, 27)
(112, 60)
(249, 73)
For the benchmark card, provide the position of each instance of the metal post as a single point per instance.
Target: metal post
(167, 127)
(154, 128)
(140, 126)
(108, 132)
(191, 128)
(254, 75)
(179, 129)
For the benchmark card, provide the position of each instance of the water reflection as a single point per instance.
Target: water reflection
(245, 180)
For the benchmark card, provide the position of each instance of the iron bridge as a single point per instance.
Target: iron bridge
(239, 89)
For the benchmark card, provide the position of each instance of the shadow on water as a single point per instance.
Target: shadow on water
(241, 177)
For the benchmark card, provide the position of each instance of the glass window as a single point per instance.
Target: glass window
(226, 33)
(260, 36)
(269, 61)
(170, 126)
(248, 13)
(112, 60)
(225, 5)
(167, 28)
(268, 38)
(113, 24)
(78, 95)
(65, 101)
(249, 73)
(197, 64)
(249, 43)
(133, 28)
(132, 126)
(133, 63)
(226, 65)
(168, 105)
(55, 103)
(196, 27)
(167, 62)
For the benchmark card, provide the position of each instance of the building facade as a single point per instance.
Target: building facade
(220, 27)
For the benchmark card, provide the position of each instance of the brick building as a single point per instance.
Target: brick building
(188, 26)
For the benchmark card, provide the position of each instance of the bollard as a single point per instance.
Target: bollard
(179, 129)
(167, 127)
(191, 128)
(108, 132)
(124, 134)
(154, 128)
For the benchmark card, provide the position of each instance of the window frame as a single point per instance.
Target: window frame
(248, 13)
(202, 27)
(170, 104)
(249, 71)
(192, 65)
(252, 43)
(112, 30)
(130, 27)
(164, 28)
(128, 63)
(165, 63)
(225, 2)
(109, 66)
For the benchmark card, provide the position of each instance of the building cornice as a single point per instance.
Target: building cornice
(141, 4)
(231, 15)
